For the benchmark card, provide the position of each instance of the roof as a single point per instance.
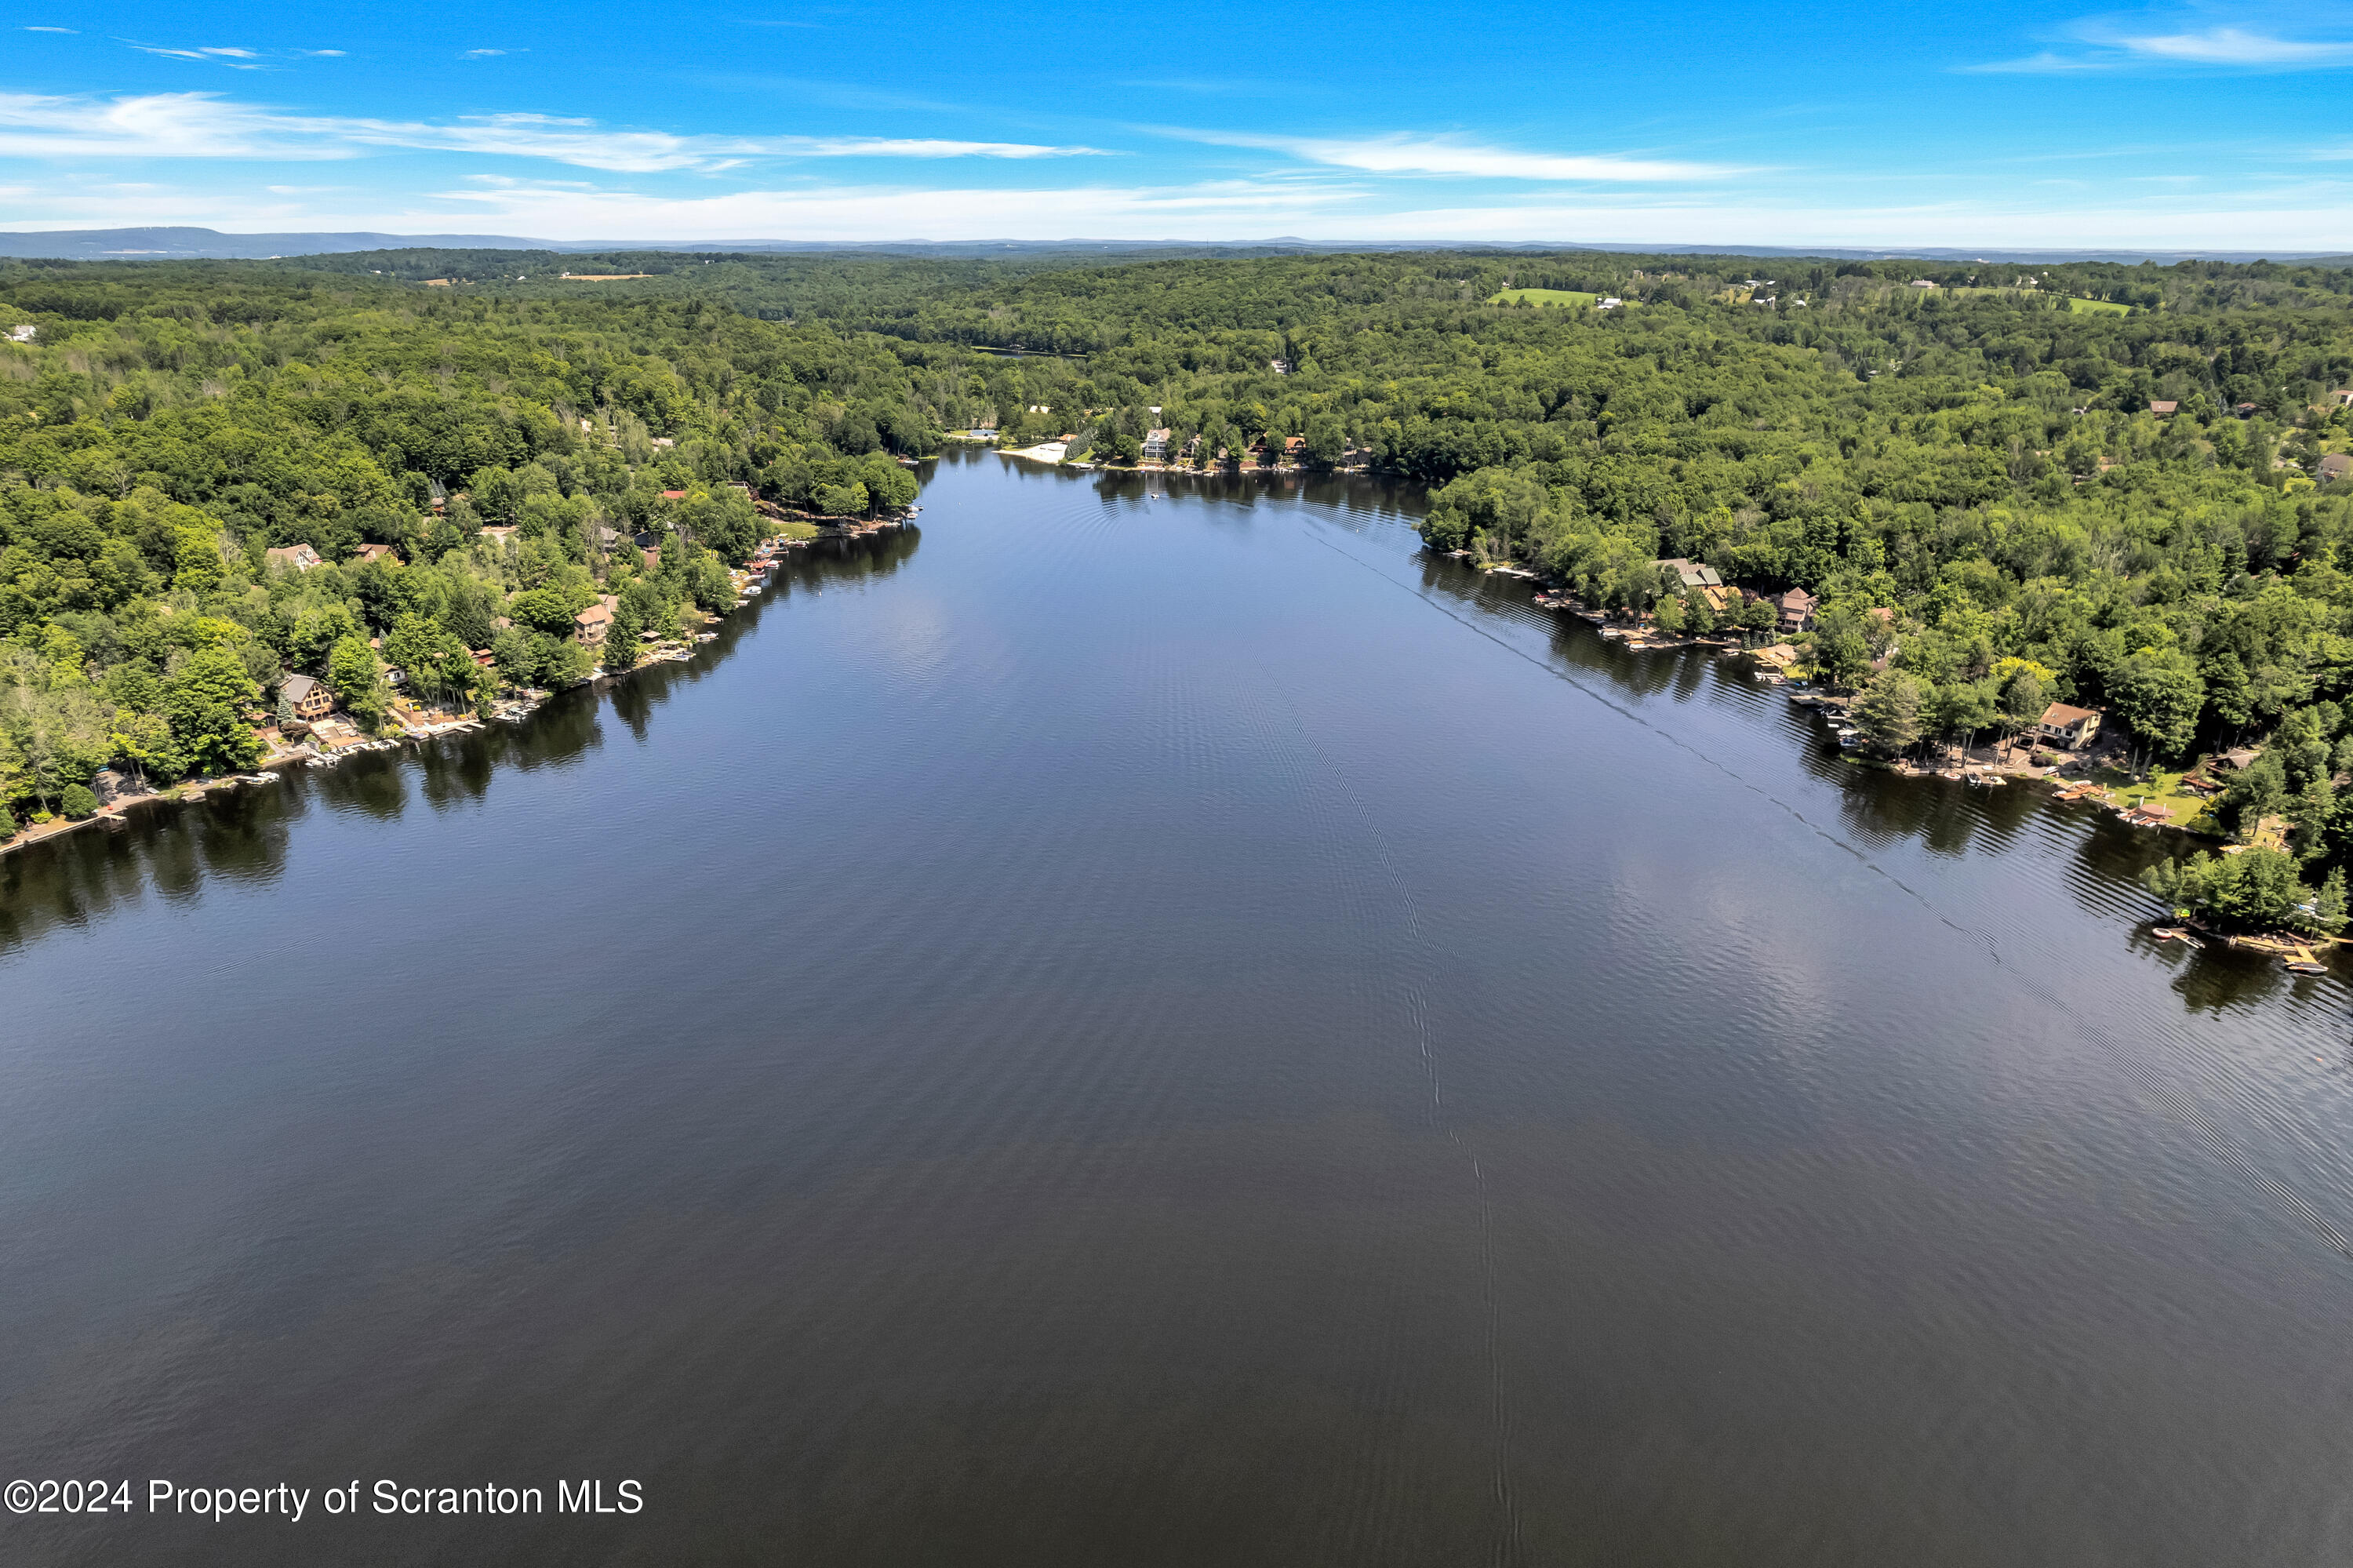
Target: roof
(1880, 612)
(595, 615)
(297, 687)
(2336, 465)
(2241, 756)
(2059, 715)
(1694, 574)
(370, 552)
(2166, 406)
(1796, 597)
(673, 495)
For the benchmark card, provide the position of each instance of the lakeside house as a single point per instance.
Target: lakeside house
(293, 558)
(23, 333)
(1700, 579)
(375, 553)
(2072, 727)
(500, 532)
(310, 700)
(1794, 610)
(1155, 445)
(2164, 406)
(590, 627)
(2333, 466)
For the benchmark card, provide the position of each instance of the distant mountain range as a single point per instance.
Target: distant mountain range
(207, 244)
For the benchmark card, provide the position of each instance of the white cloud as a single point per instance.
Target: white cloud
(52, 29)
(2227, 46)
(233, 54)
(1405, 154)
(2230, 46)
(203, 125)
(321, 53)
(838, 212)
(479, 54)
(2044, 64)
(2310, 217)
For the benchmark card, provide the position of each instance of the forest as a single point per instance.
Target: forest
(2091, 483)
(166, 426)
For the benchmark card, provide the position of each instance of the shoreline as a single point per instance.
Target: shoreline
(1992, 773)
(520, 705)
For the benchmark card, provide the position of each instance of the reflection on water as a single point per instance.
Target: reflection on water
(172, 847)
(1176, 1029)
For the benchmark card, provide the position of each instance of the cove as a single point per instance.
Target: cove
(1156, 1022)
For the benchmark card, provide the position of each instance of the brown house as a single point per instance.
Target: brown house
(2334, 466)
(591, 624)
(309, 699)
(1794, 610)
(2069, 726)
(293, 558)
(2163, 407)
(375, 553)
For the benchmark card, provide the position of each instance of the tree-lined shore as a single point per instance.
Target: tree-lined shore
(2115, 486)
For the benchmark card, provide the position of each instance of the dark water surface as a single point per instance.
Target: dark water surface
(1125, 1028)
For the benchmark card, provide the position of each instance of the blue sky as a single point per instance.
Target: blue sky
(2171, 127)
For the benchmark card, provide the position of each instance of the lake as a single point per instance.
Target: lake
(1145, 1021)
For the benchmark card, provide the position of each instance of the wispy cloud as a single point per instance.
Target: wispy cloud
(204, 125)
(2044, 64)
(2228, 47)
(571, 211)
(2304, 219)
(1407, 153)
(52, 29)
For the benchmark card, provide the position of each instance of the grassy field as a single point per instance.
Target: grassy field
(2097, 307)
(1543, 297)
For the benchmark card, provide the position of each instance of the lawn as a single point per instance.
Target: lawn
(2098, 308)
(2161, 790)
(1543, 297)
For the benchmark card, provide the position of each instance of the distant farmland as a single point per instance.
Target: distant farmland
(1543, 297)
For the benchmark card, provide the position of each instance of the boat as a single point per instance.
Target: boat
(2305, 967)
(2176, 934)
